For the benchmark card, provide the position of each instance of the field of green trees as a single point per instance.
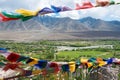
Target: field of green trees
(47, 49)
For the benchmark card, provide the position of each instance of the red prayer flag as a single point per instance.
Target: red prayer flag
(11, 66)
(4, 18)
(85, 5)
(55, 66)
(102, 2)
(13, 57)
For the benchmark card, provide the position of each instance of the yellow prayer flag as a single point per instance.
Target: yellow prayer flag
(33, 62)
(89, 64)
(35, 72)
(83, 60)
(102, 63)
(25, 12)
(71, 66)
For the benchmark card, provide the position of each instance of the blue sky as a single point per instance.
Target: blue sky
(105, 13)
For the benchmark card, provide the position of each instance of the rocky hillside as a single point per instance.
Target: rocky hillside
(46, 23)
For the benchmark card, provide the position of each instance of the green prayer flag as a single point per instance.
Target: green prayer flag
(11, 14)
(2, 64)
(27, 18)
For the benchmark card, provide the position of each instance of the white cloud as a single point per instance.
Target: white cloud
(105, 13)
(117, 1)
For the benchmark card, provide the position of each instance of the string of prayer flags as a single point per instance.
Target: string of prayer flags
(25, 14)
(15, 61)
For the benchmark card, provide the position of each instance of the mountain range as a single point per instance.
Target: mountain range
(51, 28)
(46, 23)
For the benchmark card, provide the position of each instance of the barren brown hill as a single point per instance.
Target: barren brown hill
(49, 28)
